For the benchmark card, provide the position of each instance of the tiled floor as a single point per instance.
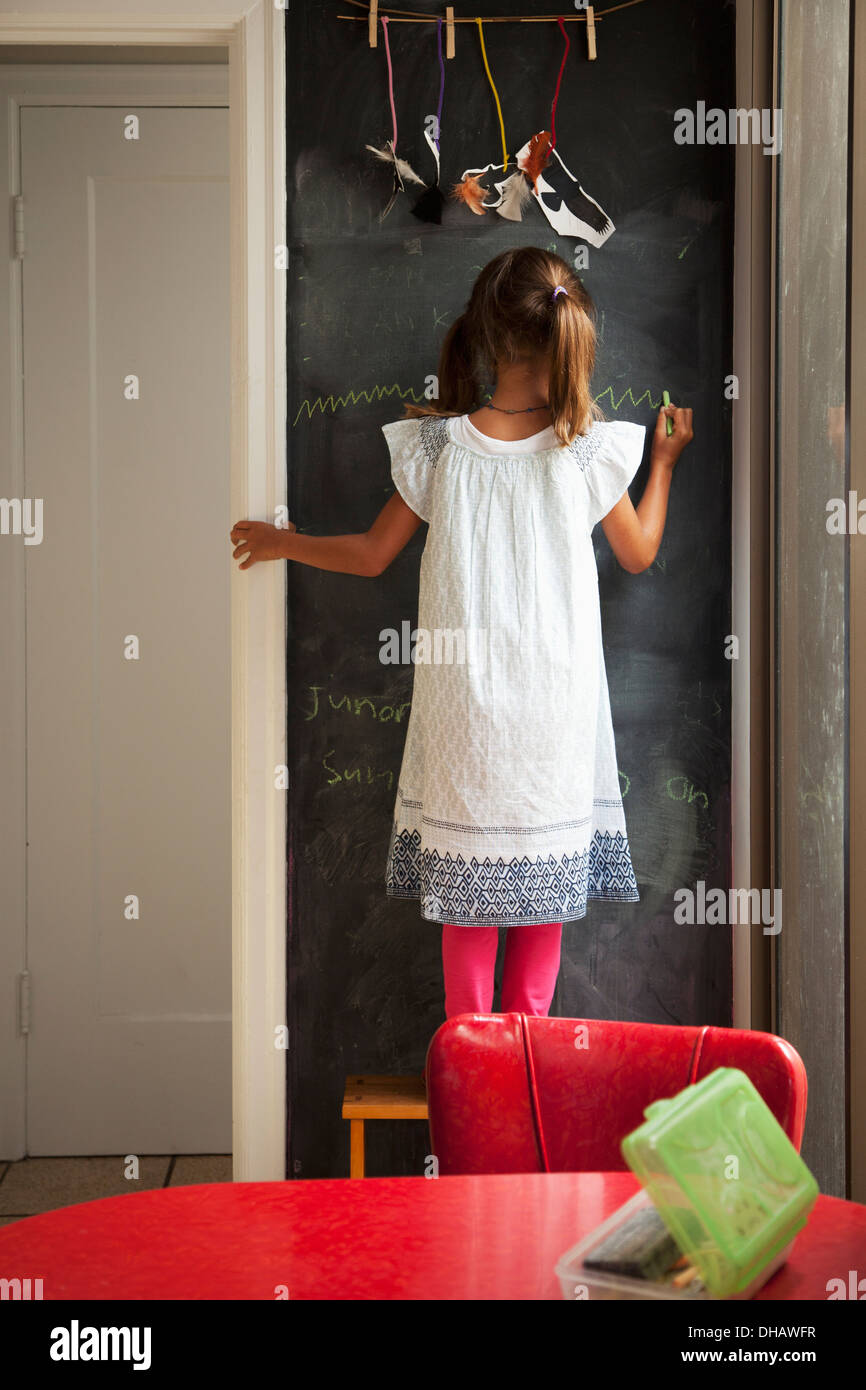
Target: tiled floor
(33, 1185)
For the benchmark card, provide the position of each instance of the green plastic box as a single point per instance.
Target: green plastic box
(725, 1179)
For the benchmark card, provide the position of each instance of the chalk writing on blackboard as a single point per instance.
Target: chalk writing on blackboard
(320, 404)
(371, 393)
(635, 400)
(367, 776)
(356, 705)
(355, 776)
(681, 789)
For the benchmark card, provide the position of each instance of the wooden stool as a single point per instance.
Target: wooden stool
(379, 1098)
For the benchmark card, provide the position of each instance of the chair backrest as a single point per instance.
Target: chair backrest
(510, 1093)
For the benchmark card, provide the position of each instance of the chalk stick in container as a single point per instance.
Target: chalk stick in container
(641, 1247)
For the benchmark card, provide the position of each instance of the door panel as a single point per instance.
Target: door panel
(126, 274)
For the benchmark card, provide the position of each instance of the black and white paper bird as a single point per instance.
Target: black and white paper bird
(568, 208)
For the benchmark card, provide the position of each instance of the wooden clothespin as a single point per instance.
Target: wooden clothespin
(449, 31)
(374, 23)
(590, 31)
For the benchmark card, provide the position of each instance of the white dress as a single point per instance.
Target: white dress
(508, 802)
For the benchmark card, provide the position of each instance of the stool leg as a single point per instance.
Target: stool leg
(356, 1148)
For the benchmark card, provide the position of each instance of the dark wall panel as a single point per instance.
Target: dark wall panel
(368, 305)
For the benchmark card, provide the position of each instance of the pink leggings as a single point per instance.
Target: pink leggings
(532, 954)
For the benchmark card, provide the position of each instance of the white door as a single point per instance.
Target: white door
(127, 377)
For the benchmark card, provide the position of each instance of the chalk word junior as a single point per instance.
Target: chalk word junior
(441, 646)
(718, 908)
(380, 711)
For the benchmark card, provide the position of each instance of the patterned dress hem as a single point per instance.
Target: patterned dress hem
(601, 872)
(458, 919)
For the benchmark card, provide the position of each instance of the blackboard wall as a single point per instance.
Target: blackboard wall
(368, 305)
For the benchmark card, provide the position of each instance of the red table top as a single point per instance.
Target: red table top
(496, 1236)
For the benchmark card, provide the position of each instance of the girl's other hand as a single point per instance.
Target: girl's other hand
(258, 540)
(666, 448)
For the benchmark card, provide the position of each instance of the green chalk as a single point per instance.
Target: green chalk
(666, 400)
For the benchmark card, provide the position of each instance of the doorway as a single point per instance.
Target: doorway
(187, 993)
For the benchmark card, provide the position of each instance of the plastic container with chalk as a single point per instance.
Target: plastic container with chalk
(725, 1182)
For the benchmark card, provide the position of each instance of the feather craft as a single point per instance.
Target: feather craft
(568, 208)
(430, 204)
(537, 157)
(471, 191)
(388, 156)
(428, 207)
(515, 195)
(402, 171)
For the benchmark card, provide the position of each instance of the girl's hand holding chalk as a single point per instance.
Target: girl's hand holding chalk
(673, 432)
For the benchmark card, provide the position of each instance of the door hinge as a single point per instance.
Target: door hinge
(19, 226)
(24, 1003)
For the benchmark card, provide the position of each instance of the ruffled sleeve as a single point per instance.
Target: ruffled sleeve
(613, 466)
(415, 445)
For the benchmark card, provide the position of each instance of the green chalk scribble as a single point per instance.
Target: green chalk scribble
(644, 396)
(321, 404)
(375, 393)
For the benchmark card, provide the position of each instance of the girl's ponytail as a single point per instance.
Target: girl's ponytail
(572, 359)
(459, 392)
(458, 383)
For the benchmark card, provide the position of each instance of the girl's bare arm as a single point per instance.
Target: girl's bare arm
(368, 553)
(635, 534)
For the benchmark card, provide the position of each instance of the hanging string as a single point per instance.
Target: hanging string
(558, 82)
(402, 171)
(429, 206)
(441, 80)
(495, 93)
(384, 19)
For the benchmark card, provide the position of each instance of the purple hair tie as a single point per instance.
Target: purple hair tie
(560, 289)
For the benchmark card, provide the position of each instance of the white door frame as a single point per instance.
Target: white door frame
(255, 90)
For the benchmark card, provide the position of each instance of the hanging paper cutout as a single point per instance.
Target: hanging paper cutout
(541, 176)
(470, 189)
(567, 207)
(514, 193)
(429, 206)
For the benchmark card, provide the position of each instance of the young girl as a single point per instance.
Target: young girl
(508, 810)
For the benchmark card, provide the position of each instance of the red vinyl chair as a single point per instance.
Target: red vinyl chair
(510, 1093)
